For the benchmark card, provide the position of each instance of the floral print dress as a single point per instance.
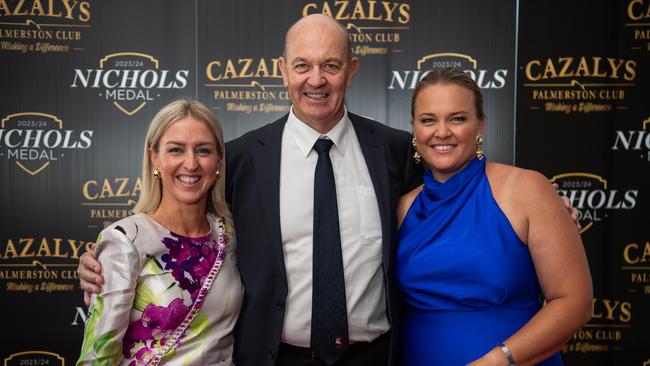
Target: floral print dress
(151, 279)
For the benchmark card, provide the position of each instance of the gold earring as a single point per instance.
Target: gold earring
(479, 150)
(156, 174)
(217, 174)
(416, 155)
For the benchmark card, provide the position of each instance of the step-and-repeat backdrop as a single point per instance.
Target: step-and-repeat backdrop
(80, 81)
(583, 119)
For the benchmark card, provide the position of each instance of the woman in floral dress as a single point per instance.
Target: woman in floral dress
(172, 292)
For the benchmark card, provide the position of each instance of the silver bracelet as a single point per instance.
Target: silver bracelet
(507, 353)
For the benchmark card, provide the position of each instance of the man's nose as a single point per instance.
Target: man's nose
(316, 78)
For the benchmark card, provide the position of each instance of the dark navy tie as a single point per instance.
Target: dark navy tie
(329, 316)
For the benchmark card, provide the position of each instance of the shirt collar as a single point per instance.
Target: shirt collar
(305, 136)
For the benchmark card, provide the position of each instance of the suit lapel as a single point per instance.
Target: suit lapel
(266, 159)
(372, 148)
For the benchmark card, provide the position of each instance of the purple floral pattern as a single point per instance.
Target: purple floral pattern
(188, 260)
(154, 310)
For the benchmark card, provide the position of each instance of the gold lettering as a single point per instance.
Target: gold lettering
(615, 65)
(626, 312)
(137, 187)
(549, 69)
(583, 67)
(327, 10)
(51, 10)
(529, 71)
(646, 253)
(630, 68)
(630, 10)
(44, 249)
(341, 5)
(565, 67)
(107, 190)
(57, 249)
(84, 9)
(358, 12)
(390, 8)
(262, 70)
(626, 253)
(28, 244)
(18, 7)
(120, 190)
(37, 8)
(305, 10)
(4, 7)
(69, 9)
(247, 64)
(208, 71)
(371, 13)
(405, 13)
(10, 250)
(86, 192)
(75, 248)
(231, 71)
(597, 68)
(610, 309)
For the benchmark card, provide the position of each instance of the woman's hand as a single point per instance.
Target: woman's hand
(493, 358)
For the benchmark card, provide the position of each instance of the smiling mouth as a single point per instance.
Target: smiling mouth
(443, 148)
(316, 96)
(188, 179)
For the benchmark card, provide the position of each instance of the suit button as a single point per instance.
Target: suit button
(279, 304)
(272, 354)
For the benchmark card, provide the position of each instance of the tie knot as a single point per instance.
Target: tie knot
(323, 146)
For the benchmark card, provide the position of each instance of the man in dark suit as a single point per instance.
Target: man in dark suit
(316, 259)
(270, 184)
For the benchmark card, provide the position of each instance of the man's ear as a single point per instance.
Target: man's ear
(354, 67)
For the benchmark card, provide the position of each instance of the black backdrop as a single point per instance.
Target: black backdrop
(80, 82)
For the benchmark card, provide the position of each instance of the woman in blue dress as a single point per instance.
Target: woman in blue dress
(490, 264)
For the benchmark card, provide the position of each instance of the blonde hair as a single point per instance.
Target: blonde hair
(151, 194)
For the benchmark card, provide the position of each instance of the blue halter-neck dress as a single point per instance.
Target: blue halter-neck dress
(466, 278)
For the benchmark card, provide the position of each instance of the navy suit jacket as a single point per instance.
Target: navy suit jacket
(253, 188)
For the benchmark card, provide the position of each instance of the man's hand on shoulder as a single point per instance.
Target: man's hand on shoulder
(90, 279)
(572, 210)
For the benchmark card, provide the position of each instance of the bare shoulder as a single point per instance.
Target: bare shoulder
(517, 183)
(405, 203)
(517, 191)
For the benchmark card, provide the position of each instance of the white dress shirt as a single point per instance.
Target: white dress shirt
(359, 223)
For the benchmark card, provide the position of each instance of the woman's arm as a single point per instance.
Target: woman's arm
(540, 218)
(405, 203)
(110, 310)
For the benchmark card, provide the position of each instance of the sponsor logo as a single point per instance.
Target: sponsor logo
(637, 140)
(611, 319)
(40, 265)
(636, 262)
(109, 199)
(375, 27)
(34, 358)
(33, 140)
(591, 196)
(247, 85)
(637, 22)
(579, 84)
(486, 79)
(39, 26)
(129, 80)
